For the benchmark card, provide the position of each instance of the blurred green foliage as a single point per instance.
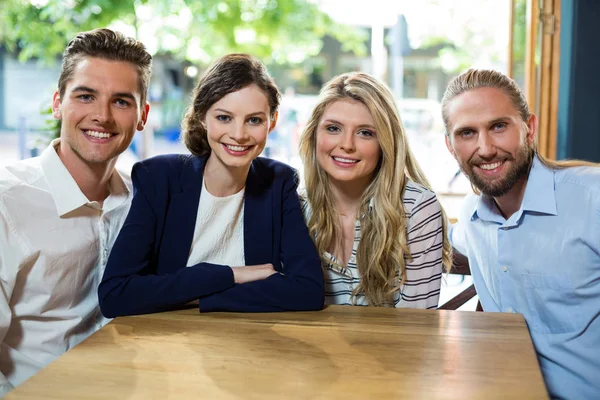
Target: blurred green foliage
(50, 130)
(519, 38)
(473, 39)
(281, 31)
(51, 125)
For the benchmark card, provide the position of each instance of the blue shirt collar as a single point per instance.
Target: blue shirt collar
(539, 196)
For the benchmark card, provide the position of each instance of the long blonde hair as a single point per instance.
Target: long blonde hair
(383, 245)
(485, 78)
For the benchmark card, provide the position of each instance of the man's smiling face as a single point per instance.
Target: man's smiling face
(490, 140)
(100, 111)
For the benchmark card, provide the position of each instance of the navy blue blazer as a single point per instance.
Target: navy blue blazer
(146, 270)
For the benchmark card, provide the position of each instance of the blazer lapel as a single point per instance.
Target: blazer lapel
(181, 216)
(258, 216)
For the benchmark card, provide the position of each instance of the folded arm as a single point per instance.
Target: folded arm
(299, 287)
(130, 284)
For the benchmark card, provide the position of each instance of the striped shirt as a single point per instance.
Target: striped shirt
(423, 266)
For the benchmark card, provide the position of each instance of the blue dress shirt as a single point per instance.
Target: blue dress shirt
(544, 262)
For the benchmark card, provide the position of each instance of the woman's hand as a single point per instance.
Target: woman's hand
(251, 273)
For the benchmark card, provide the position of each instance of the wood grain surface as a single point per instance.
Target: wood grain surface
(338, 353)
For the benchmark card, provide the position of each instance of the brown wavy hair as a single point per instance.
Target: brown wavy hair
(109, 45)
(228, 74)
(383, 245)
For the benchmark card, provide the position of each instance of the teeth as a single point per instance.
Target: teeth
(236, 148)
(345, 160)
(488, 167)
(99, 135)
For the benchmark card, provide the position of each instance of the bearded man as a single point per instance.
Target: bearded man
(531, 230)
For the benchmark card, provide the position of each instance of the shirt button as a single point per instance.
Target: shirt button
(505, 228)
(504, 268)
(509, 309)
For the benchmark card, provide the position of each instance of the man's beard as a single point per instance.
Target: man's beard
(501, 186)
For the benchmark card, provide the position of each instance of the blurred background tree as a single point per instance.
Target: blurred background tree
(468, 40)
(279, 31)
(519, 41)
(193, 32)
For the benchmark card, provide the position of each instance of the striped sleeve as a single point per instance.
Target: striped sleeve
(425, 242)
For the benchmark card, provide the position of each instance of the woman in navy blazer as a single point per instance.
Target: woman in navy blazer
(234, 108)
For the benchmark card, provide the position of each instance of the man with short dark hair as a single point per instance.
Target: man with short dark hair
(532, 231)
(60, 213)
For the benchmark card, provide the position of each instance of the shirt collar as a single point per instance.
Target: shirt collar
(539, 195)
(66, 193)
(119, 192)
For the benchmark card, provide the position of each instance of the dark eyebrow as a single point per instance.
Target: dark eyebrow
(490, 123)
(249, 115)
(256, 113)
(497, 120)
(460, 129)
(84, 89)
(127, 95)
(90, 90)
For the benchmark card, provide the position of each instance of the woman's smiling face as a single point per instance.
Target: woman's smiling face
(238, 125)
(347, 145)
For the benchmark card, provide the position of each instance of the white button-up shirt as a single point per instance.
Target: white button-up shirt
(54, 244)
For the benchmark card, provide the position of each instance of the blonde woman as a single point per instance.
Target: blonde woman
(376, 223)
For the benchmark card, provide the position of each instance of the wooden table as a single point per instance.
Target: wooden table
(337, 353)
